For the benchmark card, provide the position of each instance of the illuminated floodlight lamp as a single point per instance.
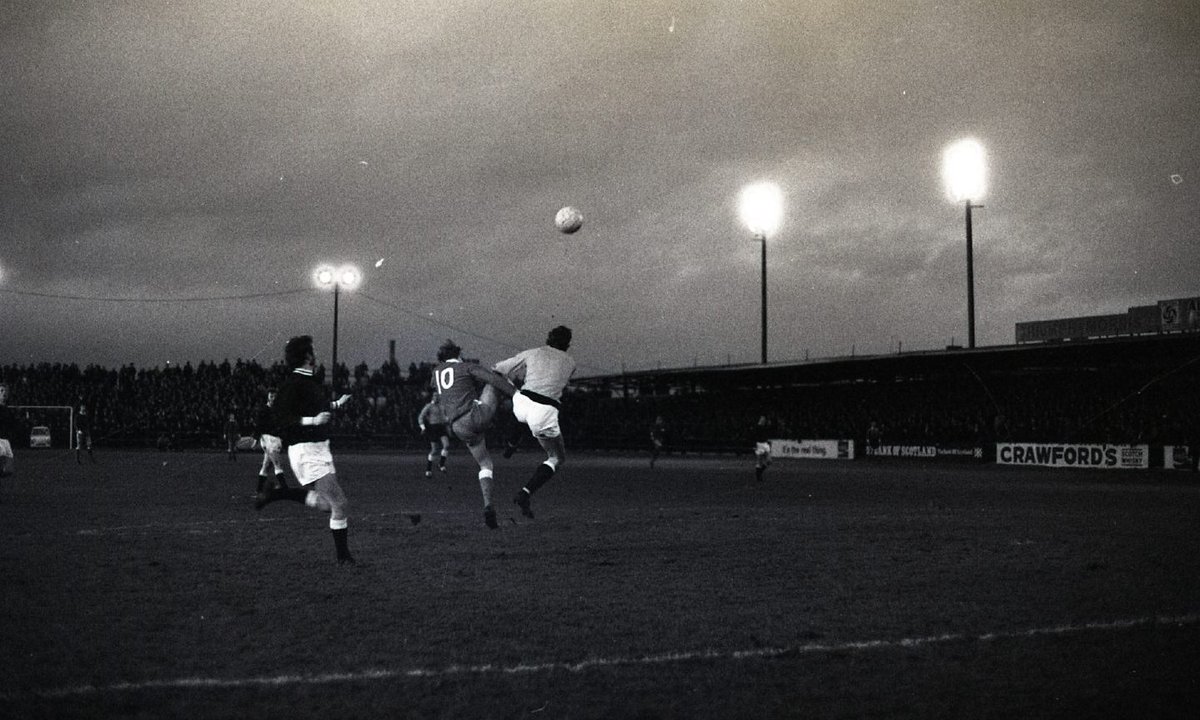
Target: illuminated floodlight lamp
(347, 277)
(964, 170)
(761, 208)
(327, 276)
(324, 275)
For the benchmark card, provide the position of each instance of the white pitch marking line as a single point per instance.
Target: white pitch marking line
(585, 665)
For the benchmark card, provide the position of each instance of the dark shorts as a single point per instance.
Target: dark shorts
(434, 432)
(471, 426)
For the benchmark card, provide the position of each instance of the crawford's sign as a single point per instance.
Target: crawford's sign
(1074, 455)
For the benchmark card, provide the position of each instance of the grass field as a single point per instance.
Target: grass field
(147, 586)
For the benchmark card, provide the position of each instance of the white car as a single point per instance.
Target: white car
(39, 437)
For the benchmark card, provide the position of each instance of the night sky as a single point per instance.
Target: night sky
(173, 172)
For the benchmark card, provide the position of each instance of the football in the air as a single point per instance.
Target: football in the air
(568, 220)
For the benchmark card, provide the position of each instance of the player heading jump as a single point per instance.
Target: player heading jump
(547, 370)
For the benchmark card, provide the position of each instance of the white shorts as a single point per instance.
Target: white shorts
(271, 444)
(762, 449)
(311, 461)
(273, 448)
(541, 419)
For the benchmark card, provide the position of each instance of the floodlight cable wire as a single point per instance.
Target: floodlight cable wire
(192, 299)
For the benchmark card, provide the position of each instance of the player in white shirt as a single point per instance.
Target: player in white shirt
(547, 370)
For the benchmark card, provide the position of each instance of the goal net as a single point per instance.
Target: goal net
(46, 426)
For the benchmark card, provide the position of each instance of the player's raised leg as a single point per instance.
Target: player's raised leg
(556, 455)
(547, 371)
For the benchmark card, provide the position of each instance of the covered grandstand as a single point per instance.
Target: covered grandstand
(1121, 389)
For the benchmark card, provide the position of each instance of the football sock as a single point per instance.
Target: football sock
(262, 482)
(541, 476)
(758, 472)
(485, 486)
(341, 544)
(279, 478)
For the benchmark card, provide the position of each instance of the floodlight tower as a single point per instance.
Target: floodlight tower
(326, 276)
(964, 171)
(761, 209)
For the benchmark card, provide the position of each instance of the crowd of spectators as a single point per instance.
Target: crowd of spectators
(960, 411)
(1143, 392)
(186, 406)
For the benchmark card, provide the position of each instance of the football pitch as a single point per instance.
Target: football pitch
(146, 585)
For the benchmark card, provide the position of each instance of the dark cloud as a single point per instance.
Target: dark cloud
(183, 152)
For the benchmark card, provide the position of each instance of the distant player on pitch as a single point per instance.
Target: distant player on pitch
(83, 432)
(432, 422)
(271, 444)
(658, 439)
(10, 426)
(232, 432)
(302, 415)
(762, 432)
(469, 412)
(547, 370)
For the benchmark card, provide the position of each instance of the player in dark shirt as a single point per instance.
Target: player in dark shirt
(232, 433)
(468, 411)
(658, 439)
(83, 432)
(302, 416)
(271, 444)
(874, 438)
(432, 422)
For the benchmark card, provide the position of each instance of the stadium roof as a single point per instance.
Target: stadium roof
(1150, 349)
